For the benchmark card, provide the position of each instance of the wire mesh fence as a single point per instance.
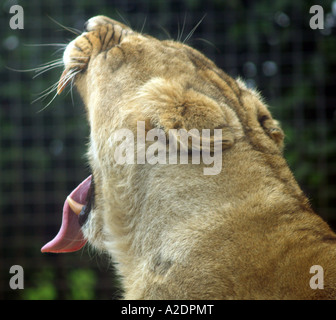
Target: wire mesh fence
(42, 149)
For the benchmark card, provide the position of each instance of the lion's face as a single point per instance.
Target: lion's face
(124, 77)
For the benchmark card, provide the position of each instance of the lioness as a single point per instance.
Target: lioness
(246, 231)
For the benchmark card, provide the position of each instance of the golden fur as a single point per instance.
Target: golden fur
(175, 233)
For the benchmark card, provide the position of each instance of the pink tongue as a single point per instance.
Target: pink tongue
(70, 237)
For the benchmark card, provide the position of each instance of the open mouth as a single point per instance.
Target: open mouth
(78, 204)
(100, 34)
(76, 210)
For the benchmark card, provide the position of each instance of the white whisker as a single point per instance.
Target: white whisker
(48, 69)
(143, 25)
(71, 87)
(182, 30)
(46, 44)
(77, 64)
(39, 68)
(165, 31)
(48, 89)
(73, 30)
(58, 50)
(47, 92)
(69, 76)
(209, 43)
(193, 30)
(48, 103)
(125, 21)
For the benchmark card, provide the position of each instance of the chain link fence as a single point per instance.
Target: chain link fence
(42, 148)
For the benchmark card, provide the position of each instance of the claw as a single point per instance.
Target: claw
(75, 206)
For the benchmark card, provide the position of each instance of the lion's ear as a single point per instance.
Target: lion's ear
(272, 129)
(173, 107)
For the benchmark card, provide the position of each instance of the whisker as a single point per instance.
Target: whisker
(46, 70)
(45, 44)
(71, 89)
(166, 32)
(45, 95)
(183, 27)
(51, 63)
(45, 90)
(72, 30)
(37, 69)
(54, 87)
(58, 50)
(125, 21)
(55, 60)
(25, 70)
(178, 30)
(72, 74)
(75, 30)
(143, 25)
(51, 66)
(193, 30)
(53, 98)
(209, 43)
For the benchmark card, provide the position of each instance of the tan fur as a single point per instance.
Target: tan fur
(175, 233)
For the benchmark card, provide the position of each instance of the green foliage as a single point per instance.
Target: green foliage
(304, 103)
(81, 283)
(40, 152)
(44, 288)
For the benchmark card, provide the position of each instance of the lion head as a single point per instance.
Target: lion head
(158, 218)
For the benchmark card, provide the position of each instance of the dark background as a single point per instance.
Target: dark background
(42, 150)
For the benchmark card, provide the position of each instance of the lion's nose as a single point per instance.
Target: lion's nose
(99, 21)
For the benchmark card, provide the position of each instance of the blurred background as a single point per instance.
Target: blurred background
(42, 149)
